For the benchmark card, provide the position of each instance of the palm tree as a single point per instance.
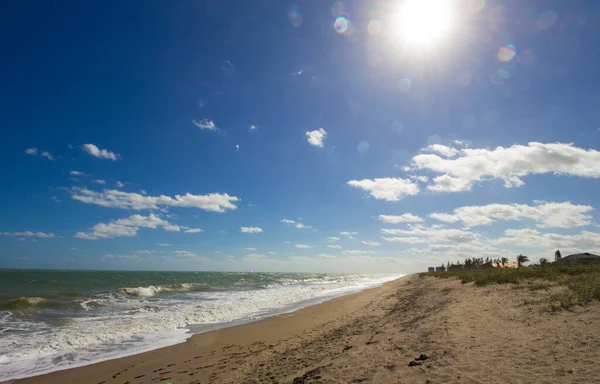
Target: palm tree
(557, 255)
(543, 261)
(504, 260)
(521, 259)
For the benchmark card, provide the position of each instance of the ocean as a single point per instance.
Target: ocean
(53, 320)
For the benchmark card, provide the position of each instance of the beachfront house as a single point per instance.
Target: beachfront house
(580, 257)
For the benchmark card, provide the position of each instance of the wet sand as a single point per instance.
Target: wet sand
(468, 335)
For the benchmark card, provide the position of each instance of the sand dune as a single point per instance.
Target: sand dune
(493, 334)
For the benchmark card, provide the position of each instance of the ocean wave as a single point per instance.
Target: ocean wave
(154, 290)
(23, 303)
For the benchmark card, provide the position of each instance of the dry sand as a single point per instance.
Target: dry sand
(494, 334)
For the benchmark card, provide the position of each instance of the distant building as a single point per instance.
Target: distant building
(439, 269)
(431, 269)
(508, 264)
(580, 257)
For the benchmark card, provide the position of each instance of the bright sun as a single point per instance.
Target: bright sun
(422, 22)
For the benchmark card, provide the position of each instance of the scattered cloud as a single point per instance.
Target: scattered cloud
(99, 181)
(507, 164)
(41, 235)
(272, 253)
(442, 150)
(126, 227)
(371, 243)
(118, 184)
(303, 246)
(300, 226)
(201, 103)
(346, 233)
(34, 152)
(333, 238)
(357, 252)
(298, 73)
(404, 218)
(193, 230)
(227, 67)
(205, 124)
(76, 173)
(249, 249)
(251, 230)
(253, 127)
(214, 202)
(545, 214)
(316, 138)
(388, 189)
(100, 153)
(296, 224)
(421, 234)
(584, 241)
(237, 147)
(288, 221)
(254, 257)
(56, 199)
(334, 246)
(143, 192)
(422, 179)
(163, 244)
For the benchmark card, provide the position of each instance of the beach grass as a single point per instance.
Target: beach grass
(581, 280)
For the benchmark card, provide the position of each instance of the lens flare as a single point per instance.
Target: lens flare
(341, 24)
(546, 20)
(507, 53)
(295, 15)
(375, 27)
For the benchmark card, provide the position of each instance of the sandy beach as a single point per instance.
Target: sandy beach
(494, 334)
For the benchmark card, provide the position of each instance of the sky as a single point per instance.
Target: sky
(348, 136)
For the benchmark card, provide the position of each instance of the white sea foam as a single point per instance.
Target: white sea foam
(126, 326)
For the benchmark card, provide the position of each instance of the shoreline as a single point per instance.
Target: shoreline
(493, 334)
(219, 329)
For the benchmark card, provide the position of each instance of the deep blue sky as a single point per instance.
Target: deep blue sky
(132, 77)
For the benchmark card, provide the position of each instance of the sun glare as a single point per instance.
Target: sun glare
(422, 22)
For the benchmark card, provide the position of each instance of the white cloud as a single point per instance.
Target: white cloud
(237, 147)
(41, 235)
(118, 184)
(303, 246)
(205, 124)
(334, 246)
(316, 137)
(272, 253)
(249, 249)
(442, 150)
(389, 189)
(34, 152)
(201, 103)
(193, 230)
(346, 233)
(99, 181)
(214, 202)
(371, 243)
(300, 226)
(507, 164)
(100, 153)
(254, 257)
(76, 173)
(560, 215)
(433, 234)
(253, 127)
(333, 238)
(584, 241)
(288, 221)
(163, 244)
(251, 230)
(422, 179)
(146, 252)
(126, 227)
(404, 218)
(357, 252)
(143, 192)
(56, 199)
(298, 73)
